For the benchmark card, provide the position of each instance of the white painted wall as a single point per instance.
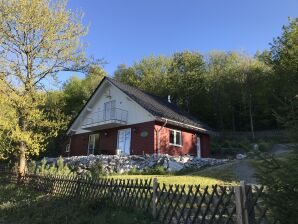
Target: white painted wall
(136, 113)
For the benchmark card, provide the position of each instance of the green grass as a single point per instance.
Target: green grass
(21, 205)
(223, 173)
(195, 179)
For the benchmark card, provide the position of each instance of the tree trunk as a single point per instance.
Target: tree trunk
(22, 161)
(251, 119)
(22, 151)
(233, 120)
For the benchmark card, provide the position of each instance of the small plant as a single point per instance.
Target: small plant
(156, 170)
(31, 166)
(264, 146)
(42, 167)
(97, 170)
(134, 171)
(62, 169)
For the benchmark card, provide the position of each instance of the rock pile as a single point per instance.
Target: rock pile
(122, 164)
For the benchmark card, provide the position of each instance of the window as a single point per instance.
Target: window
(93, 143)
(110, 110)
(67, 148)
(175, 138)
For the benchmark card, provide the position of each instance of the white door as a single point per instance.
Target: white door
(124, 138)
(109, 112)
(93, 144)
(198, 147)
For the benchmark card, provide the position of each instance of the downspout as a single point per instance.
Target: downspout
(158, 136)
(68, 153)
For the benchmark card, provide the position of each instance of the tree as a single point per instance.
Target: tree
(186, 78)
(39, 39)
(284, 59)
(126, 75)
(278, 174)
(77, 91)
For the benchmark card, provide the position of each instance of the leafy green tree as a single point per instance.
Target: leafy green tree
(284, 59)
(39, 38)
(126, 75)
(77, 91)
(186, 78)
(278, 174)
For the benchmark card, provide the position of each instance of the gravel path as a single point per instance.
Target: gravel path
(243, 169)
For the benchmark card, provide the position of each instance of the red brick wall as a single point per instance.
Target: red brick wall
(139, 144)
(189, 140)
(78, 145)
(205, 145)
(108, 140)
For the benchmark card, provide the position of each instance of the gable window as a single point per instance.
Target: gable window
(110, 110)
(175, 138)
(93, 143)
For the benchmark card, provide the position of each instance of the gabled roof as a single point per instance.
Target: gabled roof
(157, 106)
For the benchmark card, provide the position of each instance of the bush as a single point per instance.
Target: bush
(31, 166)
(96, 171)
(60, 169)
(156, 170)
(281, 181)
(230, 147)
(264, 146)
(134, 171)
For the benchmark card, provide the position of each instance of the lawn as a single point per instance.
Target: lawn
(21, 205)
(206, 177)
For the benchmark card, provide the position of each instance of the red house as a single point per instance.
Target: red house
(119, 118)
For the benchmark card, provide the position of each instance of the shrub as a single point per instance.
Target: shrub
(31, 166)
(156, 170)
(96, 170)
(60, 169)
(281, 181)
(264, 146)
(134, 171)
(42, 167)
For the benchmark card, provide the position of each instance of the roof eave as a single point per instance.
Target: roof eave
(184, 125)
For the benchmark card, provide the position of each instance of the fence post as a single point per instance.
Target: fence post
(249, 213)
(243, 204)
(78, 191)
(238, 202)
(154, 197)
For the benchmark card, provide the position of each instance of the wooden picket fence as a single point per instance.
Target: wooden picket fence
(167, 203)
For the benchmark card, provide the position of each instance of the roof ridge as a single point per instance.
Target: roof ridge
(157, 105)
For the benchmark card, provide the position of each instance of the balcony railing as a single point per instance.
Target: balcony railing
(114, 115)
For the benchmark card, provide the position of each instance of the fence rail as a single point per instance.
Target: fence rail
(168, 203)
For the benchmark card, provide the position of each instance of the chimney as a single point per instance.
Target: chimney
(169, 98)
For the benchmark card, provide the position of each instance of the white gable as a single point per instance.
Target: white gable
(125, 107)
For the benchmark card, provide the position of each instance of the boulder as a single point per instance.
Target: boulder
(240, 156)
(174, 166)
(123, 164)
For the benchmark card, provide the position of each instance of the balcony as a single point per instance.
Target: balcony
(114, 117)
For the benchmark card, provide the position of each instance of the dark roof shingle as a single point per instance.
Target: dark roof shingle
(157, 106)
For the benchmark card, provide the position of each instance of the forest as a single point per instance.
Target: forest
(229, 91)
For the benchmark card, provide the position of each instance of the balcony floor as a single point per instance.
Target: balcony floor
(104, 125)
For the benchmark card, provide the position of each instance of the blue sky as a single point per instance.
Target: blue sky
(124, 31)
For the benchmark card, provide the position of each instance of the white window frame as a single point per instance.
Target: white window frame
(67, 148)
(175, 138)
(92, 136)
(111, 105)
